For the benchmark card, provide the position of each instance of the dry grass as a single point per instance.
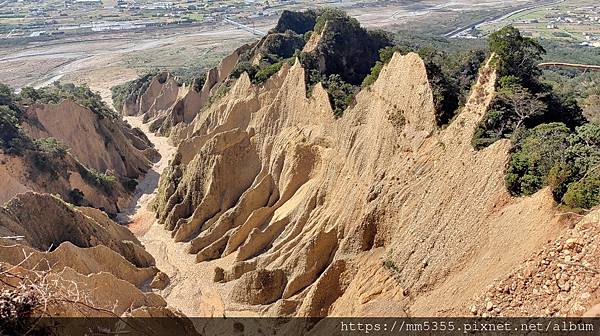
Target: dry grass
(29, 294)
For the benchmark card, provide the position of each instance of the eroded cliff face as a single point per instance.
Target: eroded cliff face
(83, 227)
(79, 262)
(165, 103)
(97, 142)
(379, 212)
(94, 145)
(21, 175)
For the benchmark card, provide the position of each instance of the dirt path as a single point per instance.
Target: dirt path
(192, 289)
(136, 215)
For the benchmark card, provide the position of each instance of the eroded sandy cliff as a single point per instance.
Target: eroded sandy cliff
(78, 259)
(94, 145)
(379, 212)
(165, 103)
(99, 143)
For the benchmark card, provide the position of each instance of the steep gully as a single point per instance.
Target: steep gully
(529, 222)
(170, 256)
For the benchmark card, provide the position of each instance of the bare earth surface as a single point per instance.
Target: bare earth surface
(476, 232)
(187, 277)
(137, 214)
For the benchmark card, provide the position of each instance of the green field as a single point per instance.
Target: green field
(544, 22)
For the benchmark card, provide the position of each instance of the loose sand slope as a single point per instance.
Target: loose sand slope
(100, 143)
(269, 192)
(80, 262)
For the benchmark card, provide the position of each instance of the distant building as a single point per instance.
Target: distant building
(161, 5)
(89, 2)
(38, 33)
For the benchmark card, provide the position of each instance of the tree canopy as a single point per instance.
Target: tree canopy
(516, 55)
(553, 144)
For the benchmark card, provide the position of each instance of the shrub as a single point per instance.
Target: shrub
(76, 197)
(242, 67)
(509, 82)
(222, 90)
(265, 73)
(105, 181)
(307, 36)
(534, 157)
(13, 140)
(58, 92)
(372, 77)
(583, 194)
(47, 155)
(341, 94)
(52, 147)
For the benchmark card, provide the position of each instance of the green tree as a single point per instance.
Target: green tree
(517, 55)
(534, 157)
(523, 104)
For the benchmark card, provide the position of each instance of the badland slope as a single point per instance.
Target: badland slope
(98, 143)
(74, 261)
(164, 102)
(63, 140)
(381, 211)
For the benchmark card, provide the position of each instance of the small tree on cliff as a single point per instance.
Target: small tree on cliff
(517, 55)
(523, 104)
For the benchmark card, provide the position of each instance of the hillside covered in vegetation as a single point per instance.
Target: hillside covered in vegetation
(45, 129)
(553, 142)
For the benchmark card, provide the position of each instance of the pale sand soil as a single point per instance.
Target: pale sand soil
(192, 289)
(138, 216)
